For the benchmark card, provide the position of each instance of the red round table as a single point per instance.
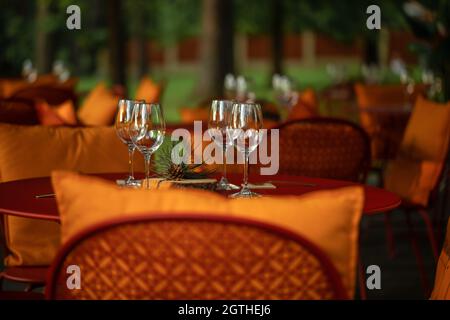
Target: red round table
(18, 197)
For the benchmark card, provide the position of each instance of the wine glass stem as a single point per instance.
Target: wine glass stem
(147, 171)
(246, 156)
(131, 149)
(224, 171)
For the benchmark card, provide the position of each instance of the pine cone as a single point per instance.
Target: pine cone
(175, 172)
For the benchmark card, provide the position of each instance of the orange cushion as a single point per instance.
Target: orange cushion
(416, 170)
(9, 86)
(428, 132)
(148, 91)
(56, 116)
(34, 151)
(328, 218)
(306, 107)
(99, 107)
(411, 179)
(189, 115)
(441, 289)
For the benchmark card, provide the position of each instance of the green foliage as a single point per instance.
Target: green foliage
(342, 20)
(252, 16)
(165, 168)
(434, 49)
(15, 44)
(166, 21)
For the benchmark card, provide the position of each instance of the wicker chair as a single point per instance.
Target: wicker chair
(18, 111)
(52, 95)
(193, 257)
(325, 148)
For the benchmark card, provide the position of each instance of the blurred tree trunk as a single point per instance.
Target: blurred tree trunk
(98, 22)
(371, 52)
(226, 39)
(217, 47)
(142, 57)
(43, 40)
(446, 83)
(277, 36)
(142, 46)
(116, 42)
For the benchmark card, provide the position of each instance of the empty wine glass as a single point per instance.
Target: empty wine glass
(219, 118)
(244, 129)
(122, 126)
(147, 131)
(230, 86)
(27, 68)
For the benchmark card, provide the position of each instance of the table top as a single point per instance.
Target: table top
(18, 197)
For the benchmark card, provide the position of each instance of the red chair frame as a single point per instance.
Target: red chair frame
(28, 117)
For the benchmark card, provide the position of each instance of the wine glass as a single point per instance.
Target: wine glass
(122, 126)
(409, 85)
(27, 68)
(147, 131)
(244, 129)
(219, 118)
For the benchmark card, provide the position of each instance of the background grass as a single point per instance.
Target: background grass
(180, 86)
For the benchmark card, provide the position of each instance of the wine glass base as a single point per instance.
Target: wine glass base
(244, 193)
(223, 184)
(132, 183)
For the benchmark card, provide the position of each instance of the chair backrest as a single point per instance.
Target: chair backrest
(325, 148)
(188, 256)
(383, 115)
(18, 111)
(51, 95)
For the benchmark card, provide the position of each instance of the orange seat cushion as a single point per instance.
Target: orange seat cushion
(416, 170)
(428, 132)
(328, 218)
(99, 107)
(64, 114)
(306, 107)
(34, 151)
(189, 115)
(441, 290)
(9, 86)
(148, 91)
(412, 180)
